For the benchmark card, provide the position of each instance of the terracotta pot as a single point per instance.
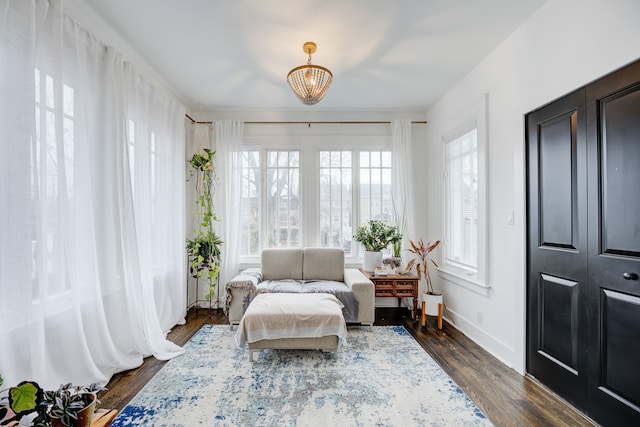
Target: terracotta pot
(85, 416)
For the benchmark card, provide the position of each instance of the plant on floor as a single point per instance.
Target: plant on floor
(422, 252)
(204, 248)
(62, 405)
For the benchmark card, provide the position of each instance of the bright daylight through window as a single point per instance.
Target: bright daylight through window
(343, 180)
(461, 192)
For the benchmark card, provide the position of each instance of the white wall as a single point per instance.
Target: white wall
(563, 46)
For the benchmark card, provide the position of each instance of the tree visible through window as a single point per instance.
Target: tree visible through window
(336, 199)
(283, 198)
(271, 207)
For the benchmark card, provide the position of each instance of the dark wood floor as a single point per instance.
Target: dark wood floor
(505, 397)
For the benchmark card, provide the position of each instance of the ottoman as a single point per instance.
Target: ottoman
(292, 321)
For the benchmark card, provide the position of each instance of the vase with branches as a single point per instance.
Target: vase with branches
(204, 248)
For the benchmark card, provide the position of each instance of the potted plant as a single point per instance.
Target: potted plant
(375, 237)
(203, 249)
(431, 298)
(69, 405)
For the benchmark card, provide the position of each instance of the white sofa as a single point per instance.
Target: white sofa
(304, 270)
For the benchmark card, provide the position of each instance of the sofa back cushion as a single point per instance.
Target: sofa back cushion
(278, 264)
(323, 264)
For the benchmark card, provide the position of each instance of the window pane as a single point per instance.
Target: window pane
(283, 208)
(375, 186)
(249, 164)
(461, 188)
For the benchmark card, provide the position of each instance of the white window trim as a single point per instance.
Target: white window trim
(474, 117)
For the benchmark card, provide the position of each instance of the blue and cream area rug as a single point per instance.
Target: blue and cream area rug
(378, 378)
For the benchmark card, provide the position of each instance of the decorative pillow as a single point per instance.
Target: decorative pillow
(278, 264)
(323, 264)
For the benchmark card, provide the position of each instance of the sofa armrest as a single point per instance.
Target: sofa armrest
(241, 287)
(364, 291)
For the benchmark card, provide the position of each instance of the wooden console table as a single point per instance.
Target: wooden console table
(396, 286)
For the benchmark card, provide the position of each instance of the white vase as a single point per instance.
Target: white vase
(372, 260)
(431, 302)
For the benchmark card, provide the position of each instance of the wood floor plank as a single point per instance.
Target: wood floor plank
(504, 396)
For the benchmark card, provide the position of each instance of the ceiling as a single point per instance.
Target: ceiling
(384, 55)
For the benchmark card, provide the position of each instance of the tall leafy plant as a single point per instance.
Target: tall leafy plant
(204, 248)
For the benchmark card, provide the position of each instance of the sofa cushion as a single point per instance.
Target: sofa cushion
(323, 264)
(280, 264)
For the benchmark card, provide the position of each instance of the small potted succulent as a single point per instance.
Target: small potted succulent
(69, 405)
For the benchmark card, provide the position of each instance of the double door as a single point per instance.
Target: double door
(583, 258)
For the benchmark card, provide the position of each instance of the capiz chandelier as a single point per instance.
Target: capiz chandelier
(310, 82)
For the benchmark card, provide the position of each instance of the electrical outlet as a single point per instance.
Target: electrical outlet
(479, 317)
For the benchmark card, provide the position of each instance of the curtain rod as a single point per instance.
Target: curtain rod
(309, 123)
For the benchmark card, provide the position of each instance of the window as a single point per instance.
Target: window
(250, 204)
(375, 186)
(283, 198)
(52, 177)
(336, 199)
(464, 225)
(461, 191)
(345, 189)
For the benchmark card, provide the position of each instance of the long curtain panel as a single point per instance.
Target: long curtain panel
(402, 179)
(91, 195)
(228, 139)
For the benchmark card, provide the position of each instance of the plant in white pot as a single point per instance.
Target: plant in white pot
(421, 262)
(375, 237)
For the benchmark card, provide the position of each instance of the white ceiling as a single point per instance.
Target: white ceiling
(384, 54)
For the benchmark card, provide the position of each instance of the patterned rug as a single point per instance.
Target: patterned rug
(379, 378)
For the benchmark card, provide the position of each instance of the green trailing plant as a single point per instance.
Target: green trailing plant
(377, 235)
(64, 403)
(204, 248)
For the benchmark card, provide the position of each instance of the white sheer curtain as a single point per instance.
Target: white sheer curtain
(228, 138)
(91, 189)
(402, 179)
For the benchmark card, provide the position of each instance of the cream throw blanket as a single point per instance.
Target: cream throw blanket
(276, 315)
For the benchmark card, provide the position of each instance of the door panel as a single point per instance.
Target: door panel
(620, 346)
(557, 180)
(613, 138)
(559, 318)
(557, 236)
(620, 137)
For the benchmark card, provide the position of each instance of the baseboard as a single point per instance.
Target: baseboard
(500, 350)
